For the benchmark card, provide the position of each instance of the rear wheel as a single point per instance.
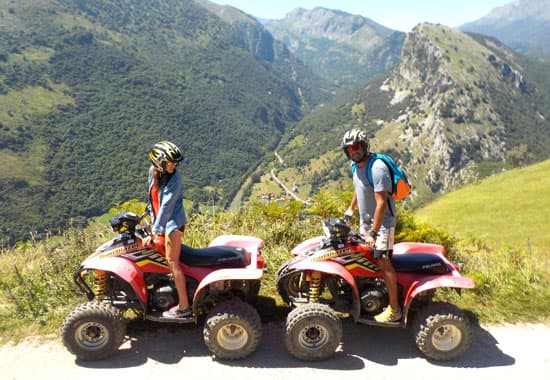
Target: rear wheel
(313, 332)
(442, 331)
(232, 330)
(93, 330)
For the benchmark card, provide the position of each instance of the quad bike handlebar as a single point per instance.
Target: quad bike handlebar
(337, 230)
(133, 225)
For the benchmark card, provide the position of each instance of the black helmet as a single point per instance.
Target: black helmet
(164, 152)
(355, 136)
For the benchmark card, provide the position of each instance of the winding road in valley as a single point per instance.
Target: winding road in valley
(284, 187)
(236, 202)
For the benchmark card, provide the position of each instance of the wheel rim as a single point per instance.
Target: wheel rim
(446, 338)
(92, 335)
(313, 337)
(232, 337)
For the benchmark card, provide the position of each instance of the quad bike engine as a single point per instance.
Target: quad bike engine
(163, 293)
(373, 299)
(164, 297)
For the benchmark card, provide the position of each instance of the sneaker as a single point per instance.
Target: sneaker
(389, 315)
(175, 312)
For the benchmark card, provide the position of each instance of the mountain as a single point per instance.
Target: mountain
(523, 25)
(87, 87)
(455, 108)
(265, 47)
(344, 49)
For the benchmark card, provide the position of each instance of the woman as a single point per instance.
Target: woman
(169, 219)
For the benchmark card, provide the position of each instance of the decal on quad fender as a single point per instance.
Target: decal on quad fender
(149, 256)
(362, 263)
(357, 260)
(330, 254)
(120, 250)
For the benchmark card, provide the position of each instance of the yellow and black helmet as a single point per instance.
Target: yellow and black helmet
(164, 152)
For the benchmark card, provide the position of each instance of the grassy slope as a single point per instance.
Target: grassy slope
(508, 208)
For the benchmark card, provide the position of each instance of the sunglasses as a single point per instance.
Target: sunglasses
(356, 146)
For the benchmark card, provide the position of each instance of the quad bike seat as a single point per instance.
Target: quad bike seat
(222, 255)
(420, 263)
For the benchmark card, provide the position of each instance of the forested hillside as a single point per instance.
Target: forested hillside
(87, 87)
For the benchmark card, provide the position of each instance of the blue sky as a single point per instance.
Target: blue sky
(400, 15)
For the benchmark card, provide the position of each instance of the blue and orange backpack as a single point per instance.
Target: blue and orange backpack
(401, 187)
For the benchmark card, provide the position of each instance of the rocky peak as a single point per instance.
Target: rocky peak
(345, 49)
(523, 25)
(449, 119)
(332, 24)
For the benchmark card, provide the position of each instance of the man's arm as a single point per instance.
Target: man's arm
(381, 199)
(352, 205)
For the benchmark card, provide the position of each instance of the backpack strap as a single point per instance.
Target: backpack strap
(369, 176)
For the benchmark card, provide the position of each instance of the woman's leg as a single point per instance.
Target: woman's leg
(173, 248)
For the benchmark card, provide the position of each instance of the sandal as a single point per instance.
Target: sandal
(175, 312)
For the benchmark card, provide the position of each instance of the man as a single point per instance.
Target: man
(377, 213)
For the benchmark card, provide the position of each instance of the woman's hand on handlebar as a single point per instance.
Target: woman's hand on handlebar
(147, 240)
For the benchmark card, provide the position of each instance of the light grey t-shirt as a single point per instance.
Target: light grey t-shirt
(365, 193)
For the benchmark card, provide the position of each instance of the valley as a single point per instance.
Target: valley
(87, 90)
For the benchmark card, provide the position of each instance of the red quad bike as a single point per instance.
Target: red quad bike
(123, 274)
(336, 276)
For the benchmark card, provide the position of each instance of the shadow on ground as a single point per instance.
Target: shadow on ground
(384, 346)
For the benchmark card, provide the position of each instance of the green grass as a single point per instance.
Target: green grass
(503, 242)
(28, 166)
(15, 106)
(507, 209)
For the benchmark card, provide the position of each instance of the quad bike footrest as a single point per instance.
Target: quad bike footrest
(156, 316)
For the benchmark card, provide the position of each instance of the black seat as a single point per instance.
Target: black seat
(419, 263)
(223, 256)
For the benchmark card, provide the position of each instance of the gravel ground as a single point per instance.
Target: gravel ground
(498, 352)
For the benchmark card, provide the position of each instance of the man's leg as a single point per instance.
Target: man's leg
(382, 252)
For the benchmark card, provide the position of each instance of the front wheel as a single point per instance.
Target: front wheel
(232, 330)
(93, 330)
(313, 332)
(442, 331)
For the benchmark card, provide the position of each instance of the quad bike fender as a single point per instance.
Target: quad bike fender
(121, 267)
(250, 243)
(307, 245)
(453, 280)
(413, 247)
(230, 274)
(330, 267)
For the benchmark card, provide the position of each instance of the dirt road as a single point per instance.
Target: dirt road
(505, 352)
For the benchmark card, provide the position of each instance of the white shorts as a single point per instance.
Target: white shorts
(384, 243)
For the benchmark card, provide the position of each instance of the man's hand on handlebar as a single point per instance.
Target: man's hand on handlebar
(348, 215)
